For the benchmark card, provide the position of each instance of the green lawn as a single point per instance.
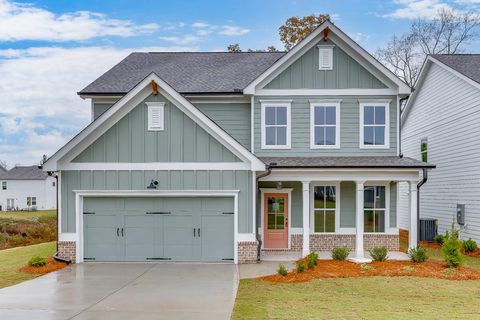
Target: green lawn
(12, 259)
(25, 215)
(359, 298)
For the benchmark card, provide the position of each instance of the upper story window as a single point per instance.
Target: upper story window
(276, 125)
(155, 116)
(4, 185)
(324, 124)
(325, 57)
(374, 125)
(423, 149)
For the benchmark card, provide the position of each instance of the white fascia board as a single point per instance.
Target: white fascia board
(127, 166)
(127, 103)
(326, 92)
(309, 42)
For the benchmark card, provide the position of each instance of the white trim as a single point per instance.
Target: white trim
(329, 49)
(288, 192)
(335, 184)
(67, 236)
(330, 101)
(59, 202)
(100, 96)
(130, 101)
(375, 103)
(385, 184)
(81, 194)
(324, 103)
(243, 237)
(338, 37)
(275, 103)
(325, 92)
(153, 166)
(397, 123)
(252, 124)
(296, 231)
(160, 108)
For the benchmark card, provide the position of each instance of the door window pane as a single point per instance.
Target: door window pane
(276, 213)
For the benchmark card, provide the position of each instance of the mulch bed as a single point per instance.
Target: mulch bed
(52, 265)
(390, 268)
(434, 245)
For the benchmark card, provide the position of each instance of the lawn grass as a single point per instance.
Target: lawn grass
(12, 259)
(25, 215)
(359, 298)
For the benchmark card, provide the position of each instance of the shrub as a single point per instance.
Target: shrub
(312, 260)
(439, 238)
(282, 270)
(409, 269)
(418, 254)
(367, 267)
(469, 245)
(340, 253)
(449, 271)
(379, 253)
(300, 267)
(451, 248)
(37, 262)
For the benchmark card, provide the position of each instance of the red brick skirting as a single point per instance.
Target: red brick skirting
(326, 242)
(391, 241)
(67, 250)
(247, 252)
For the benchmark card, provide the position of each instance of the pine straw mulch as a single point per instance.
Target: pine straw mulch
(52, 265)
(389, 268)
(434, 245)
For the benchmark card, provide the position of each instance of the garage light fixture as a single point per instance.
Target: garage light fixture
(153, 184)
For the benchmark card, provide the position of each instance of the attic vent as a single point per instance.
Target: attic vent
(155, 116)
(325, 57)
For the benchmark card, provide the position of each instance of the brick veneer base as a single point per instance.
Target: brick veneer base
(67, 250)
(247, 252)
(326, 242)
(391, 241)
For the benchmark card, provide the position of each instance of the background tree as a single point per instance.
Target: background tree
(234, 48)
(448, 33)
(3, 165)
(296, 29)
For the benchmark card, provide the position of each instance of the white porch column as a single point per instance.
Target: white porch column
(413, 232)
(359, 252)
(306, 217)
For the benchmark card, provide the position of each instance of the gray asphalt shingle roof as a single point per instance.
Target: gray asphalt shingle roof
(186, 72)
(24, 173)
(344, 162)
(466, 64)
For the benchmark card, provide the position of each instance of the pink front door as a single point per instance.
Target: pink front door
(275, 220)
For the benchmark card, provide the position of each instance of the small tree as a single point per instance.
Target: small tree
(295, 29)
(451, 248)
(234, 48)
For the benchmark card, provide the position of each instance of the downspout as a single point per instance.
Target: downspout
(421, 183)
(56, 256)
(400, 154)
(257, 235)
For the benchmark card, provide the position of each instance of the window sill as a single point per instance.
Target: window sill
(331, 147)
(383, 146)
(276, 147)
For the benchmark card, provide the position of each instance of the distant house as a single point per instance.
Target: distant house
(26, 188)
(440, 125)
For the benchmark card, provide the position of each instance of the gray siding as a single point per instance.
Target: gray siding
(99, 108)
(349, 128)
(393, 205)
(168, 180)
(234, 118)
(446, 112)
(304, 73)
(181, 141)
(347, 204)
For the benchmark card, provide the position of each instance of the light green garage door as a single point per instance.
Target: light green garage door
(149, 229)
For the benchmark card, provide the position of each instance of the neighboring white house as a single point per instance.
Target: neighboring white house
(27, 188)
(440, 124)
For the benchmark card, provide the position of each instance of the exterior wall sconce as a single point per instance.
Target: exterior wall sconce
(153, 184)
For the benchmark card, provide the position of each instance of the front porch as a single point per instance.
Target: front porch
(303, 210)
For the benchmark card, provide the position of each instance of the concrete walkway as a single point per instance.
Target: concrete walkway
(125, 291)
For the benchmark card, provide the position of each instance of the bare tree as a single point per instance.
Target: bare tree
(3, 165)
(448, 33)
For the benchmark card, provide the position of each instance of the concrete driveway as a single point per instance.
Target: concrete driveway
(125, 291)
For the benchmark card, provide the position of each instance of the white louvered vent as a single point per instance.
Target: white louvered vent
(325, 57)
(155, 117)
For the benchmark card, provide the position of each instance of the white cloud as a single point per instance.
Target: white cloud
(39, 107)
(201, 25)
(417, 9)
(233, 31)
(27, 22)
(187, 39)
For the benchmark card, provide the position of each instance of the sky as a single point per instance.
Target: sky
(51, 49)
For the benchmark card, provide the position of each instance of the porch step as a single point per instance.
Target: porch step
(279, 255)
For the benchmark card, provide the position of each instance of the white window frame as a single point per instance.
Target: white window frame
(329, 49)
(156, 105)
(324, 103)
(388, 230)
(335, 184)
(386, 105)
(265, 105)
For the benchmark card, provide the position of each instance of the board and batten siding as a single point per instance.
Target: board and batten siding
(167, 180)
(234, 118)
(182, 140)
(305, 74)
(446, 111)
(100, 108)
(349, 127)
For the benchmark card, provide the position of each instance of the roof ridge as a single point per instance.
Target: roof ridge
(207, 52)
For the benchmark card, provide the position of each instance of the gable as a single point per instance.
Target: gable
(304, 73)
(182, 140)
